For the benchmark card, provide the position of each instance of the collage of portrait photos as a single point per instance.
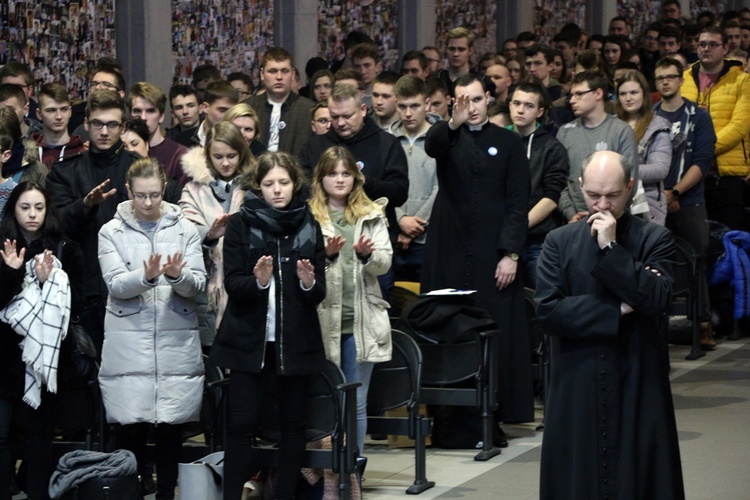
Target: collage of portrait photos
(60, 40)
(230, 34)
(379, 19)
(479, 17)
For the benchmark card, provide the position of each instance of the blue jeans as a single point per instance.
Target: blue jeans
(357, 372)
(529, 256)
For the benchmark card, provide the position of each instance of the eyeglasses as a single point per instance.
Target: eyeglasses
(323, 121)
(144, 196)
(98, 125)
(94, 84)
(580, 93)
(243, 93)
(709, 45)
(667, 78)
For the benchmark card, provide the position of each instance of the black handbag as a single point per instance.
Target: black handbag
(106, 488)
(77, 362)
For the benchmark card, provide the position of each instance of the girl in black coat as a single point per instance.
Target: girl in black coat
(30, 226)
(274, 275)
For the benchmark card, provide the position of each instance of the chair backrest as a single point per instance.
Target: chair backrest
(401, 298)
(324, 406)
(683, 268)
(396, 382)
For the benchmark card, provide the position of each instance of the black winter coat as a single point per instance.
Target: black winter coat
(12, 368)
(70, 181)
(610, 429)
(241, 340)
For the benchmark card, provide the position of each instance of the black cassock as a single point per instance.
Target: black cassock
(481, 212)
(609, 423)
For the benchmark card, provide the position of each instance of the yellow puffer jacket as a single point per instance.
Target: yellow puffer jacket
(728, 103)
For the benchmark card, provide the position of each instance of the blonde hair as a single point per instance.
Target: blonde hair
(144, 168)
(243, 110)
(358, 204)
(229, 134)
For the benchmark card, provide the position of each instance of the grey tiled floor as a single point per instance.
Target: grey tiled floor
(712, 402)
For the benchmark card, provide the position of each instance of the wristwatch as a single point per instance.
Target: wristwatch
(676, 193)
(609, 246)
(513, 256)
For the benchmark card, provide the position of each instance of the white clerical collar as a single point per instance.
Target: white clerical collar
(475, 128)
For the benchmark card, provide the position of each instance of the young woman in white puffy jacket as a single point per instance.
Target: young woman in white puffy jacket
(353, 317)
(152, 370)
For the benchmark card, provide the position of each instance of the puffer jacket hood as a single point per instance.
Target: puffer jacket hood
(195, 166)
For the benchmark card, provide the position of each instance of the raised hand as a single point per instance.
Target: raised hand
(218, 228)
(98, 195)
(306, 273)
(174, 265)
(263, 270)
(334, 245)
(460, 110)
(364, 246)
(153, 267)
(10, 256)
(43, 265)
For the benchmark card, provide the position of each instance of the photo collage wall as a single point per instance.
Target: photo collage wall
(378, 19)
(60, 40)
(230, 34)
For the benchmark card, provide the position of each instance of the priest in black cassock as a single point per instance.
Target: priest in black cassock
(478, 229)
(604, 283)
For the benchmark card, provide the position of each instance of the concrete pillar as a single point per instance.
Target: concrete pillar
(143, 45)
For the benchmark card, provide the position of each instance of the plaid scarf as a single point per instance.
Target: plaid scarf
(40, 315)
(267, 223)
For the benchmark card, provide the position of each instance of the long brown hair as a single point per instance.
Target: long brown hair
(645, 114)
(358, 204)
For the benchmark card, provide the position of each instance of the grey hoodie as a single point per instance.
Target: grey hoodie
(423, 185)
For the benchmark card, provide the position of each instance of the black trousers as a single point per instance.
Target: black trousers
(725, 199)
(38, 461)
(245, 402)
(168, 441)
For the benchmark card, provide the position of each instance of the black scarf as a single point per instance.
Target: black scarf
(267, 223)
(15, 162)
